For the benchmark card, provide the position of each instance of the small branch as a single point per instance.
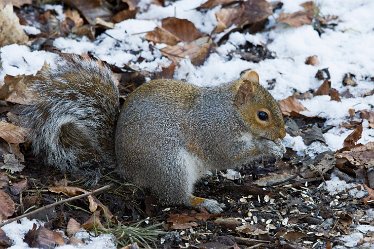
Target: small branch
(55, 204)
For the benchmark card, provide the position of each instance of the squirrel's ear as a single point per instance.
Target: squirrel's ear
(251, 76)
(245, 87)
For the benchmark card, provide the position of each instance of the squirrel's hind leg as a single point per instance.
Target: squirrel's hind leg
(192, 170)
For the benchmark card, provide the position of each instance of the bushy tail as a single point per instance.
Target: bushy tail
(73, 120)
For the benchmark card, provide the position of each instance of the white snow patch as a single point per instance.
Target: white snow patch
(18, 59)
(335, 186)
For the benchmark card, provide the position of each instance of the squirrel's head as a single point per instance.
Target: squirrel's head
(258, 109)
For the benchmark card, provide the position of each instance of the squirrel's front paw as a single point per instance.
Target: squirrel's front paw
(212, 206)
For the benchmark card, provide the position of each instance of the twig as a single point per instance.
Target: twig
(55, 204)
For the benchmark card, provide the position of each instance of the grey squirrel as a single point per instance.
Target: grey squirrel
(165, 137)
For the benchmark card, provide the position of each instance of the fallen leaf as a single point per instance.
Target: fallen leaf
(67, 190)
(95, 204)
(11, 30)
(184, 29)
(18, 187)
(11, 133)
(16, 3)
(72, 227)
(124, 15)
(369, 116)
(5, 241)
(344, 223)
(324, 89)
(93, 222)
(312, 60)
(91, 10)
(349, 79)
(7, 206)
(15, 89)
(43, 238)
(243, 13)
(299, 18)
(334, 95)
(294, 235)
(160, 35)
(75, 17)
(185, 221)
(4, 180)
(352, 138)
(251, 229)
(213, 3)
(370, 197)
(274, 179)
(229, 223)
(291, 106)
(323, 74)
(359, 155)
(197, 51)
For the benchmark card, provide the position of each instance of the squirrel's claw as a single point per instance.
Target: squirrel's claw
(212, 206)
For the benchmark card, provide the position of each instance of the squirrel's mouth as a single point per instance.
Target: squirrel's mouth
(271, 148)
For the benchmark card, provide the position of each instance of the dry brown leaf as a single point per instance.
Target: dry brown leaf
(93, 222)
(291, 106)
(324, 89)
(94, 204)
(160, 35)
(7, 206)
(213, 3)
(370, 197)
(16, 3)
(294, 235)
(18, 187)
(75, 17)
(184, 29)
(251, 229)
(15, 89)
(229, 223)
(334, 95)
(124, 15)
(73, 227)
(11, 30)
(133, 4)
(349, 79)
(359, 155)
(352, 138)
(91, 9)
(312, 60)
(102, 23)
(274, 179)
(67, 190)
(197, 51)
(5, 241)
(244, 13)
(185, 221)
(4, 180)
(299, 18)
(369, 116)
(11, 133)
(43, 238)
(296, 19)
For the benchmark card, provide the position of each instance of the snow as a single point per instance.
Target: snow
(17, 231)
(336, 186)
(346, 49)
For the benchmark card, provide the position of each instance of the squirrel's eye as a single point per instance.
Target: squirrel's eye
(262, 115)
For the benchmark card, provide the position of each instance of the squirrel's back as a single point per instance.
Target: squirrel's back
(71, 122)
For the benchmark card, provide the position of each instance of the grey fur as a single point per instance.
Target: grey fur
(152, 132)
(72, 122)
